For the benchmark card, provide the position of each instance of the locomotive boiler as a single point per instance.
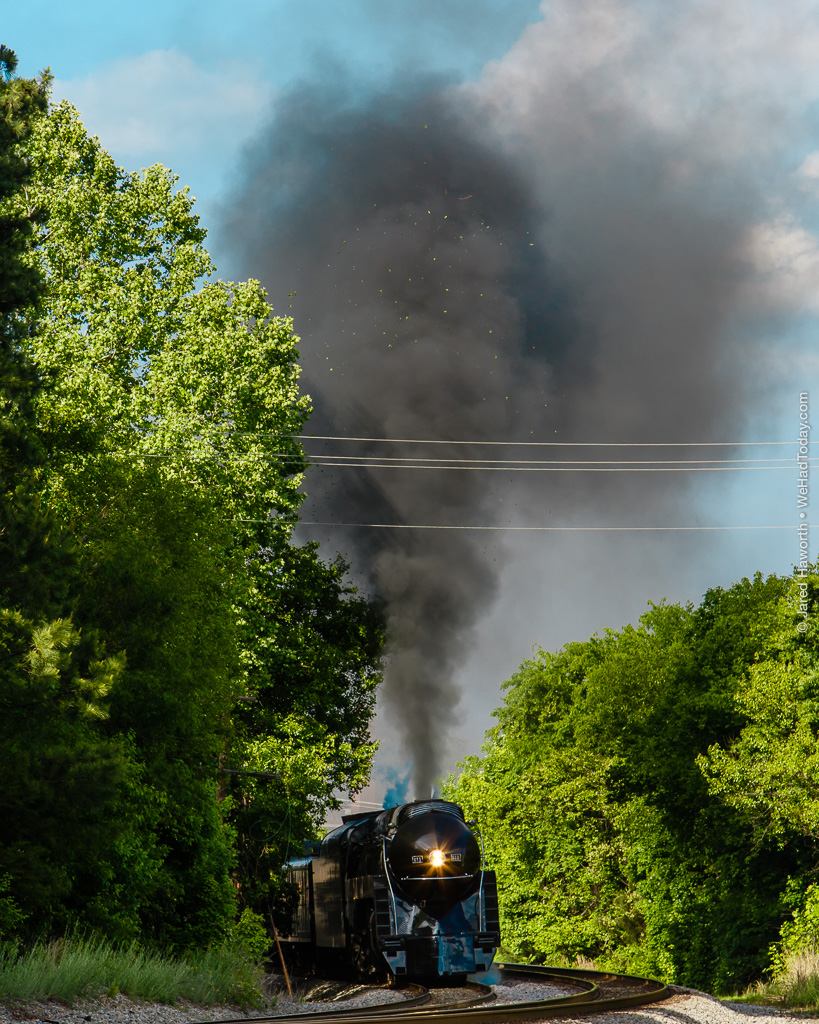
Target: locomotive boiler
(403, 890)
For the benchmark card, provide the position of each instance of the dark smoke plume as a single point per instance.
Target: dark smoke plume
(533, 258)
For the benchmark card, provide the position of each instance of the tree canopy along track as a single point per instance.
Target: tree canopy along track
(589, 992)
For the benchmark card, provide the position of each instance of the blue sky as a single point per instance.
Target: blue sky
(186, 84)
(733, 83)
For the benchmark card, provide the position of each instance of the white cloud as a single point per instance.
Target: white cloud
(807, 174)
(810, 166)
(785, 257)
(162, 107)
(716, 72)
(631, 113)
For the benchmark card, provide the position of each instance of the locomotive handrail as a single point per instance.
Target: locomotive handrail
(481, 907)
(389, 882)
(434, 878)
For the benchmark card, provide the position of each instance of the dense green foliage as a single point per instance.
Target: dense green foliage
(158, 627)
(22, 103)
(649, 796)
(59, 771)
(794, 975)
(312, 656)
(159, 391)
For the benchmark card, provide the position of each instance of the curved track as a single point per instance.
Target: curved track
(432, 1006)
(593, 992)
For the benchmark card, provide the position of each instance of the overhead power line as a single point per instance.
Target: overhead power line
(574, 468)
(492, 465)
(363, 459)
(511, 444)
(546, 444)
(538, 529)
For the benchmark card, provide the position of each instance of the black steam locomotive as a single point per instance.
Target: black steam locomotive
(403, 890)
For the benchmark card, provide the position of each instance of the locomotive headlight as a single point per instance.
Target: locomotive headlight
(437, 858)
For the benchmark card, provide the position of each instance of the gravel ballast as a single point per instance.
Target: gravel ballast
(122, 1010)
(684, 1007)
(688, 1008)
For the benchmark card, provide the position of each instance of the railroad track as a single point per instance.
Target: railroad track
(585, 992)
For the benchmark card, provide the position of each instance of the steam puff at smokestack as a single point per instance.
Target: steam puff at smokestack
(551, 253)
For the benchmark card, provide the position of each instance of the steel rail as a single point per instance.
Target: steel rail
(591, 998)
(381, 1011)
(649, 991)
(412, 1003)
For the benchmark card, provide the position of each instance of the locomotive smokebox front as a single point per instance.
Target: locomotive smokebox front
(434, 858)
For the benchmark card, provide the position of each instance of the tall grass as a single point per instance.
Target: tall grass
(76, 967)
(796, 983)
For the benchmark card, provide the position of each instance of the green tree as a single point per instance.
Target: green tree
(610, 842)
(168, 416)
(60, 772)
(22, 102)
(769, 771)
(311, 661)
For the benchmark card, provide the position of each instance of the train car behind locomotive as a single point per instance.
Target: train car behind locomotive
(404, 890)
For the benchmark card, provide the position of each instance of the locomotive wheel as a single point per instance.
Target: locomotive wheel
(365, 952)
